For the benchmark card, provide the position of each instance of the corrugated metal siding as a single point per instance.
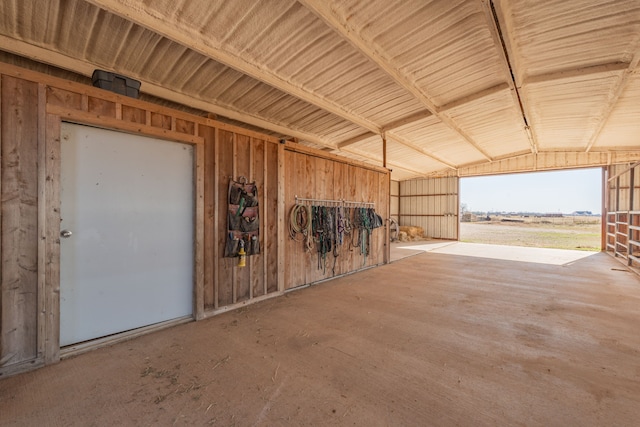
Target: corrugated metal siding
(431, 204)
(395, 200)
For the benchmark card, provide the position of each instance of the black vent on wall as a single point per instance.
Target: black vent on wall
(116, 83)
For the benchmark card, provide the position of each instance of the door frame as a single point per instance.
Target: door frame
(49, 156)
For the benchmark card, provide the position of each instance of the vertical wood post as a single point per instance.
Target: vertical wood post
(265, 218)
(604, 219)
(42, 218)
(384, 152)
(198, 300)
(281, 219)
(387, 242)
(216, 217)
(632, 177)
(52, 241)
(458, 218)
(234, 270)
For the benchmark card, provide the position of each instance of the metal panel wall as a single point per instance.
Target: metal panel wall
(619, 187)
(432, 204)
(622, 226)
(394, 200)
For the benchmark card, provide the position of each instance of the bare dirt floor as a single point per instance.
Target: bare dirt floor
(434, 339)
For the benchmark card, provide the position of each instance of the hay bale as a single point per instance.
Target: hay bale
(402, 236)
(413, 233)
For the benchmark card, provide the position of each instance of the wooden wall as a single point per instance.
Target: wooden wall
(230, 154)
(32, 107)
(19, 210)
(313, 177)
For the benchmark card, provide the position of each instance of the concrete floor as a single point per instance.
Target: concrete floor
(400, 250)
(435, 339)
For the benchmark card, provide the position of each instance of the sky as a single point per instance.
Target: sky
(543, 192)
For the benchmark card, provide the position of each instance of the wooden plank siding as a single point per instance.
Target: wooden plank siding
(310, 175)
(19, 213)
(32, 108)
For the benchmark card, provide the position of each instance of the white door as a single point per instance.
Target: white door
(128, 203)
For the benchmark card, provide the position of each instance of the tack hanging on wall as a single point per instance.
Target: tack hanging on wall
(329, 202)
(243, 221)
(327, 225)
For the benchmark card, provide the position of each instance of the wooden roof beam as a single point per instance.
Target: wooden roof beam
(86, 68)
(136, 11)
(340, 25)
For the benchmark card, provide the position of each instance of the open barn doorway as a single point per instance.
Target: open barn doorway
(559, 209)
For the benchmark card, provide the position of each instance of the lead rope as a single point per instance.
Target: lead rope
(366, 233)
(337, 235)
(326, 227)
(356, 224)
(329, 224)
(317, 232)
(300, 223)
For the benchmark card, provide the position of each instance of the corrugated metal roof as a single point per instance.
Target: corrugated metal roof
(451, 83)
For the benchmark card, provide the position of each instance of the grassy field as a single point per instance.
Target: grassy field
(543, 235)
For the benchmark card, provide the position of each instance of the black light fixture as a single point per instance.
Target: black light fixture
(116, 83)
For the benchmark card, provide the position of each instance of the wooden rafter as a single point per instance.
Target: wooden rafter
(340, 25)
